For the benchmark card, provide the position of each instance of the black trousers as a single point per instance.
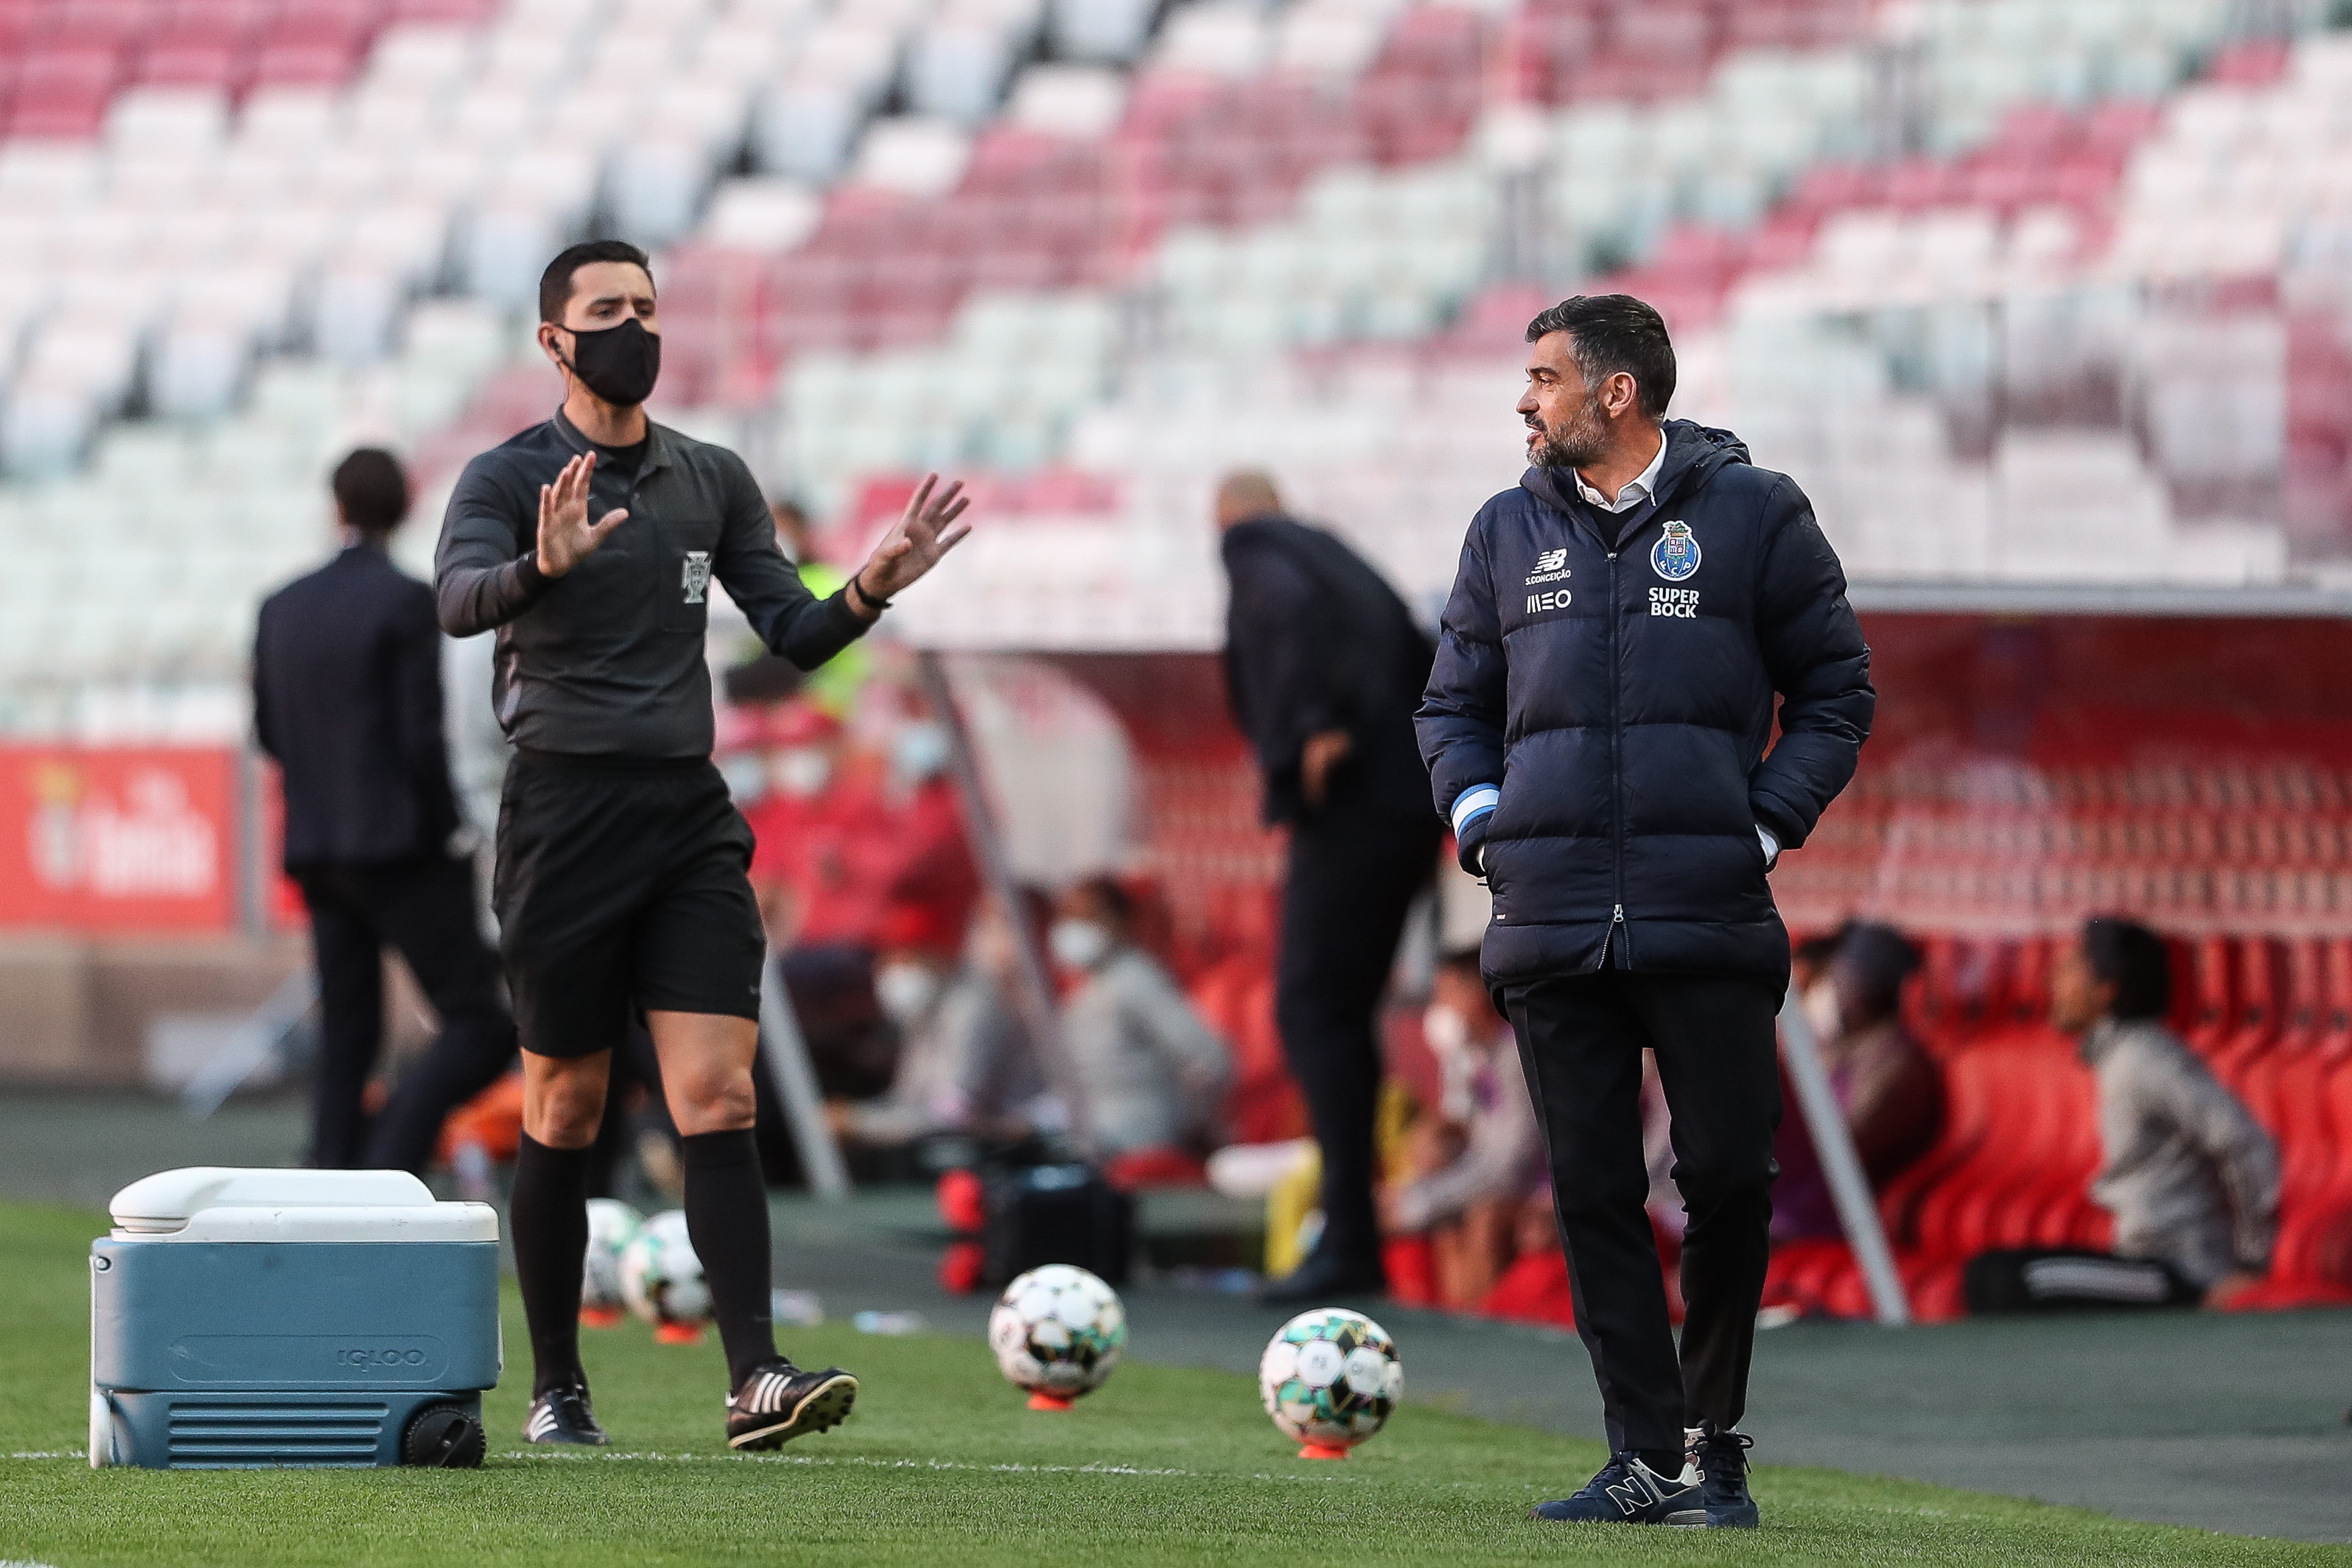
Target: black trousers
(424, 909)
(1351, 879)
(1582, 1038)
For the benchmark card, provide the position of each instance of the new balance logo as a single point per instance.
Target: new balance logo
(1630, 1496)
(1551, 567)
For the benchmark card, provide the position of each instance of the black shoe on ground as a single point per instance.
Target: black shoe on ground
(1628, 1491)
(1325, 1278)
(1722, 1461)
(561, 1416)
(779, 1402)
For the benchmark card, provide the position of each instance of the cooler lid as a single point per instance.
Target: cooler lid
(213, 1202)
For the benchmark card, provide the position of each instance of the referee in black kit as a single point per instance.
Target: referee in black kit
(1596, 727)
(590, 543)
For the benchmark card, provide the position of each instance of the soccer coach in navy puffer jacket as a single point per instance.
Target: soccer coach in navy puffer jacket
(1596, 727)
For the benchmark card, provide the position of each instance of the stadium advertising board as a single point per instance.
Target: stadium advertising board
(106, 841)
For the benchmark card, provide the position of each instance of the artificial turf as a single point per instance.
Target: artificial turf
(941, 1466)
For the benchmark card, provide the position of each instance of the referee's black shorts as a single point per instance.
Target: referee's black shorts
(622, 883)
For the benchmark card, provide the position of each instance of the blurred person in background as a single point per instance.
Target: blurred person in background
(1151, 1072)
(347, 698)
(2190, 1177)
(1600, 727)
(844, 835)
(965, 1067)
(1892, 1094)
(761, 676)
(1475, 1159)
(1324, 667)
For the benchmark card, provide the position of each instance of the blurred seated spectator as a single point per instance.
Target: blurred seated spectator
(927, 860)
(1472, 1161)
(822, 833)
(2190, 1177)
(1150, 1070)
(756, 675)
(845, 836)
(1892, 1095)
(965, 1063)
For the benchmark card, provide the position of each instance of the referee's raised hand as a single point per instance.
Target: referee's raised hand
(566, 537)
(927, 530)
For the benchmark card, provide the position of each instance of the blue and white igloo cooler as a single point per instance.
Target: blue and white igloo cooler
(247, 1318)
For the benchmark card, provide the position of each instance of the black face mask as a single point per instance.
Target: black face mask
(619, 364)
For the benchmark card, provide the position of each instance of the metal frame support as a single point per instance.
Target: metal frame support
(1039, 1014)
(1849, 1187)
(779, 1028)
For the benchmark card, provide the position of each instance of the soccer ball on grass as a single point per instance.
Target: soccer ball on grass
(1058, 1332)
(1329, 1379)
(611, 1223)
(661, 1280)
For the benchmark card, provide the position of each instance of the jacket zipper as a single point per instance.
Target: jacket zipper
(1615, 936)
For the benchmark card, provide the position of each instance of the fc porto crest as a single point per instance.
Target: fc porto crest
(697, 577)
(1676, 555)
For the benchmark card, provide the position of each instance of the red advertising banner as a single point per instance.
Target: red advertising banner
(117, 840)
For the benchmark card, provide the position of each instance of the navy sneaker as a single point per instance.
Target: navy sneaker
(561, 1416)
(779, 1402)
(1628, 1491)
(1722, 1461)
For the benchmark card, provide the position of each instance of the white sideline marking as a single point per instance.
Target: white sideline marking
(809, 1459)
(813, 1459)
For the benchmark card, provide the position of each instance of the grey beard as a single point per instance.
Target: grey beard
(1579, 446)
(1564, 451)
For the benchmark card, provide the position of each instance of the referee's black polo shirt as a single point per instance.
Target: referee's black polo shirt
(609, 658)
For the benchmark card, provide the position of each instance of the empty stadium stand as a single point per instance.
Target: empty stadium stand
(2027, 293)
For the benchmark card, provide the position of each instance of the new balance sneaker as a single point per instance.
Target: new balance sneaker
(561, 1416)
(1628, 1491)
(1722, 1461)
(779, 1402)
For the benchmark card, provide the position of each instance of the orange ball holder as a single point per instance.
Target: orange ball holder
(1044, 1401)
(677, 1334)
(600, 1317)
(1322, 1451)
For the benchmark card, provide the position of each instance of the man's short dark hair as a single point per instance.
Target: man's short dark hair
(555, 283)
(371, 490)
(1613, 333)
(2128, 956)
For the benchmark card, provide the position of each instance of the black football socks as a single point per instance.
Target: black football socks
(727, 1220)
(549, 1216)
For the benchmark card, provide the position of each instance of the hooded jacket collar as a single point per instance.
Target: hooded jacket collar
(1694, 452)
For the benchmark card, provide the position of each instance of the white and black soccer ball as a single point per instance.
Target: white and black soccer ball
(1331, 1377)
(1057, 1331)
(661, 1278)
(611, 1225)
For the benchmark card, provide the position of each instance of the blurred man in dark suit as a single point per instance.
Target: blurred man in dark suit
(1324, 667)
(347, 698)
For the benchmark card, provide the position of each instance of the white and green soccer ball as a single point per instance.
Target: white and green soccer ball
(1058, 1331)
(611, 1225)
(1331, 1377)
(661, 1278)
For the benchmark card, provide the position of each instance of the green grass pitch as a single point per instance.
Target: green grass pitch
(940, 1467)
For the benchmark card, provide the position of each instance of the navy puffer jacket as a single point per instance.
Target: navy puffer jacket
(1597, 719)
